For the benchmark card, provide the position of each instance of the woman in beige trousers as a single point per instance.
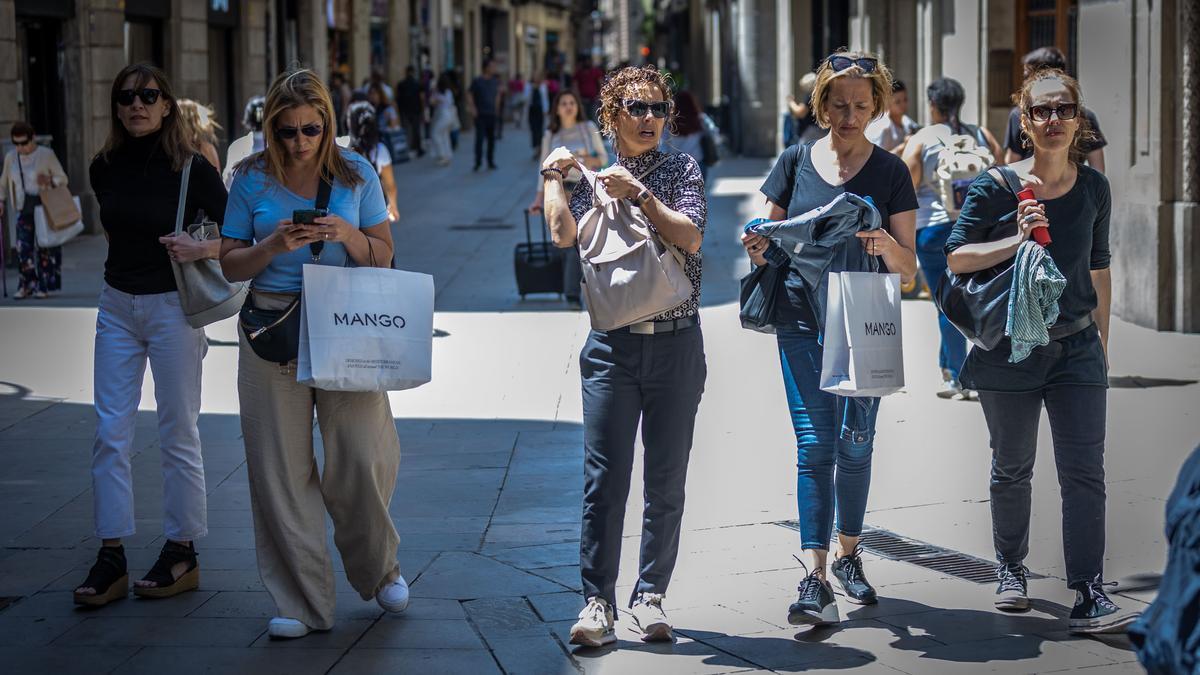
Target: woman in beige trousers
(301, 168)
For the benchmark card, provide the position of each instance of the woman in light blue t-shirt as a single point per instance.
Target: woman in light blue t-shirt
(289, 498)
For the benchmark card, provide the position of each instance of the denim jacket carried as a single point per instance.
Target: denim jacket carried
(815, 244)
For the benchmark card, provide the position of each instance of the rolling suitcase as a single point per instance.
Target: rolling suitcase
(538, 267)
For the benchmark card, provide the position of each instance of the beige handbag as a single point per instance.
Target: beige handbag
(629, 273)
(204, 293)
(61, 211)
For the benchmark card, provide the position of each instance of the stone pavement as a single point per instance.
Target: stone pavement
(488, 496)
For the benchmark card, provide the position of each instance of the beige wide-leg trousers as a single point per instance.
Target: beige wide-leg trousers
(289, 497)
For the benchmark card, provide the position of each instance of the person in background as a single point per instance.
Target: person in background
(800, 126)
(686, 134)
(517, 98)
(483, 102)
(252, 142)
(921, 154)
(410, 100)
(364, 139)
(587, 82)
(539, 108)
(384, 110)
(341, 92)
(28, 169)
(137, 177)
(890, 130)
(445, 119)
(1018, 146)
(201, 127)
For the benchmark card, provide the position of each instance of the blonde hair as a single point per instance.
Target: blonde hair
(1023, 99)
(880, 79)
(199, 121)
(293, 89)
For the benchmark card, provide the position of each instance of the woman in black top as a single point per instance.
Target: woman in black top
(137, 179)
(851, 90)
(1069, 374)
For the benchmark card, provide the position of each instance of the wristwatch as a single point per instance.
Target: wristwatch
(640, 198)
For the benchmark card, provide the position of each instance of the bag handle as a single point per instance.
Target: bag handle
(183, 189)
(1011, 180)
(323, 192)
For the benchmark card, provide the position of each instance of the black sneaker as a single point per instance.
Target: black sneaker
(848, 571)
(1012, 594)
(1095, 613)
(816, 605)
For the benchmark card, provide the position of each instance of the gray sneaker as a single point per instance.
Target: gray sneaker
(1012, 593)
(596, 626)
(649, 619)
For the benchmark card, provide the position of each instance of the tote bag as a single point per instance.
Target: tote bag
(863, 354)
(62, 209)
(629, 274)
(47, 234)
(365, 329)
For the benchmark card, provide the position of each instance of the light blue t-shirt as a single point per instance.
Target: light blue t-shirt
(257, 203)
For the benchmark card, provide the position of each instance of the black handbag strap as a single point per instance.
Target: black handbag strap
(1011, 180)
(323, 192)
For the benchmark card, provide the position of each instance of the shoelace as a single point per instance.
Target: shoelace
(1095, 589)
(594, 611)
(1012, 577)
(854, 562)
(651, 600)
(810, 587)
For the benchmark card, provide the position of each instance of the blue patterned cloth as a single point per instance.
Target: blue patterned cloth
(1033, 300)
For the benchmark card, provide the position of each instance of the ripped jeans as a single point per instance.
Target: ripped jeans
(832, 432)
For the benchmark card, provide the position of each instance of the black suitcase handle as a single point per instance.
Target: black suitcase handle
(529, 237)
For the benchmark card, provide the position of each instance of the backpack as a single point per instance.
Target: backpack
(962, 158)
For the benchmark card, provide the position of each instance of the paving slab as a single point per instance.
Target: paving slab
(162, 631)
(466, 576)
(54, 659)
(425, 661)
(157, 660)
(497, 618)
(396, 632)
(531, 656)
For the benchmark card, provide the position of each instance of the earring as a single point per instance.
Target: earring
(1024, 139)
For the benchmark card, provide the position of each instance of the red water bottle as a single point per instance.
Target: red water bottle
(1040, 234)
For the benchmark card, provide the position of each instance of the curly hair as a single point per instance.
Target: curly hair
(1023, 100)
(880, 79)
(619, 84)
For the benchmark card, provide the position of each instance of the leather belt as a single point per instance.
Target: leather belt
(1066, 330)
(655, 327)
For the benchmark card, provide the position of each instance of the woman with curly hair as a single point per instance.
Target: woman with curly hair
(650, 372)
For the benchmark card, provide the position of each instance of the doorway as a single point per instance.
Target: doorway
(40, 71)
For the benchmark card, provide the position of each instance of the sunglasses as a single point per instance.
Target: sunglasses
(637, 108)
(840, 63)
(288, 133)
(1042, 113)
(21, 144)
(147, 95)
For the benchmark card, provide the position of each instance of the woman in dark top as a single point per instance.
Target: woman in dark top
(851, 90)
(137, 179)
(1069, 374)
(650, 372)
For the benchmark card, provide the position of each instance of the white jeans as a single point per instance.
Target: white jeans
(130, 329)
(440, 136)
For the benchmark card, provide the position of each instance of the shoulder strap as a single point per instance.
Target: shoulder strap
(323, 191)
(657, 164)
(1010, 179)
(183, 189)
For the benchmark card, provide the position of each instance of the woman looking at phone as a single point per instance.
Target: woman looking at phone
(271, 231)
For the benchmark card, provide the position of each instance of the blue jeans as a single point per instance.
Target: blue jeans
(930, 241)
(831, 431)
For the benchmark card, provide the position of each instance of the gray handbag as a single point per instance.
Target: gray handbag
(204, 293)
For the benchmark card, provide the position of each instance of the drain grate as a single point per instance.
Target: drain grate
(923, 554)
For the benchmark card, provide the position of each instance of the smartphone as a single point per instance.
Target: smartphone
(307, 216)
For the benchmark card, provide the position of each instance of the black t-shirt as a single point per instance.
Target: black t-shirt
(485, 90)
(408, 96)
(1078, 231)
(1012, 138)
(138, 192)
(795, 185)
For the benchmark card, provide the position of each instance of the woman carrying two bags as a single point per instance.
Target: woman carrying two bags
(300, 167)
(651, 370)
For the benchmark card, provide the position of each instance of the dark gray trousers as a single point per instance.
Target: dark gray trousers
(657, 379)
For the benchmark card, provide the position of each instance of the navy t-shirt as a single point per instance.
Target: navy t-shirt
(795, 185)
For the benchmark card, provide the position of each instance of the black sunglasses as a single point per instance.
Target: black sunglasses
(21, 144)
(840, 63)
(149, 96)
(288, 133)
(637, 108)
(1042, 113)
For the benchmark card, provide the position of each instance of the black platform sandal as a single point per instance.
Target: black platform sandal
(108, 577)
(166, 584)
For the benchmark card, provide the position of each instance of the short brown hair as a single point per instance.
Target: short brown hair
(1023, 99)
(880, 78)
(21, 129)
(617, 86)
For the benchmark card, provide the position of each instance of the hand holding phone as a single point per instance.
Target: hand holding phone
(308, 217)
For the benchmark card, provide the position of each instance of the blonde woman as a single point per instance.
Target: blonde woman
(201, 128)
(289, 498)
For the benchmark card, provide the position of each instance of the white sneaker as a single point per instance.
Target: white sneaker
(283, 628)
(596, 626)
(393, 597)
(649, 619)
(951, 389)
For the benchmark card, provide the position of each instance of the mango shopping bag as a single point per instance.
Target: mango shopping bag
(863, 354)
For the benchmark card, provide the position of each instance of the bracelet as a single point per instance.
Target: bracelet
(554, 169)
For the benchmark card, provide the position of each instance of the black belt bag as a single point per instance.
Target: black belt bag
(273, 334)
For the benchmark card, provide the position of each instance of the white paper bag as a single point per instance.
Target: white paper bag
(48, 237)
(365, 329)
(863, 353)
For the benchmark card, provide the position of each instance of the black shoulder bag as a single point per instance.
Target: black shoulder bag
(274, 334)
(977, 302)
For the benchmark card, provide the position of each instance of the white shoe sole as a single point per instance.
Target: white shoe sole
(586, 638)
(287, 629)
(1107, 624)
(1012, 604)
(827, 615)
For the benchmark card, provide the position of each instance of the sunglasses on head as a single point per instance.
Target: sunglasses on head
(288, 133)
(1042, 113)
(147, 95)
(840, 63)
(637, 108)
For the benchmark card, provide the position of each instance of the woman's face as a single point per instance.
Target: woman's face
(568, 109)
(140, 118)
(25, 144)
(1053, 134)
(848, 106)
(300, 147)
(639, 134)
